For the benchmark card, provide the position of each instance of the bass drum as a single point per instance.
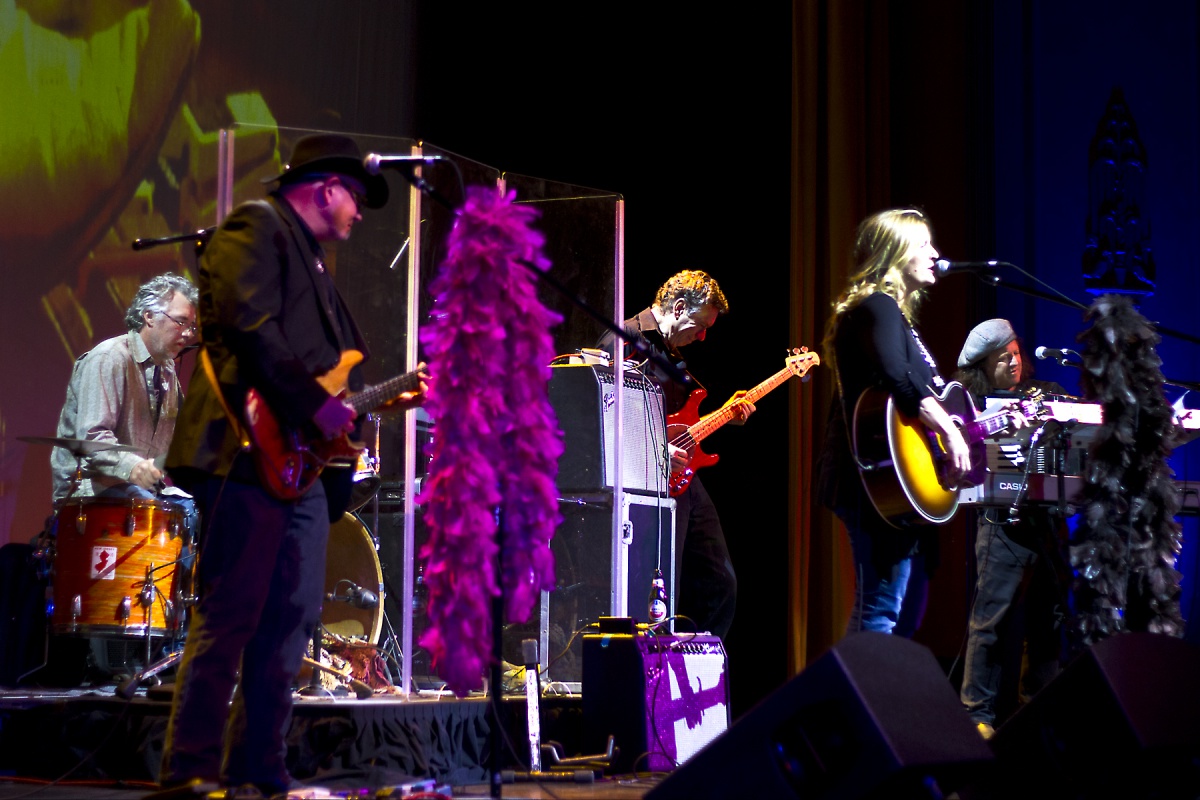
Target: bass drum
(351, 558)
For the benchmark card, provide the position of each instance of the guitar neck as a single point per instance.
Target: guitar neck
(711, 422)
(985, 427)
(375, 396)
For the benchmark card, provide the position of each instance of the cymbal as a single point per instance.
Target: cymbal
(79, 447)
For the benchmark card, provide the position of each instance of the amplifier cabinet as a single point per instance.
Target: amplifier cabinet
(662, 698)
(584, 399)
(597, 575)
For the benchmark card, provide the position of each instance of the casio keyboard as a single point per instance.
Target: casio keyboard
(1059, 459)
(1001, 489)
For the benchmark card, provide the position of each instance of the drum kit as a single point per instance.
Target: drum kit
(123, 567)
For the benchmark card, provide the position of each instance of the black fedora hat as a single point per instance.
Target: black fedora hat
(321, 153)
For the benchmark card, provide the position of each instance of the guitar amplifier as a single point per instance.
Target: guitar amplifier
(584, 399)
(662, 698)
(596, 577)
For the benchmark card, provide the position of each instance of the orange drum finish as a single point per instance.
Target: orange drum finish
(116, 567)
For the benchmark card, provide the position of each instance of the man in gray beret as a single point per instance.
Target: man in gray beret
(984, 338)
(1018, 595)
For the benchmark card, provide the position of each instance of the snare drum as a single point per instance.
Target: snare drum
(116, 566)
(351, 557)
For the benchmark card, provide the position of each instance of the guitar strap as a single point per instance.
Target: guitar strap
(211, 374)
(939, 382)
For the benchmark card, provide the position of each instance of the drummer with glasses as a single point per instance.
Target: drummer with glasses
(126, 391)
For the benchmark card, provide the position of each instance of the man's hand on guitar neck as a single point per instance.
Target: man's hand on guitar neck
(409, 400)
(742, 408)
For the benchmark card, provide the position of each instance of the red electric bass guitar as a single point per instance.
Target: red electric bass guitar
(686, 428)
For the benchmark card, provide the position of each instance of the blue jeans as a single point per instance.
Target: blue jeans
(882, 566)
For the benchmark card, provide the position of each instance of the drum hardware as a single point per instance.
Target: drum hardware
(150, 592)
(355, 596)
(361, 689)
(128, 689)
(366, 481)
(148, 589)
(76, 612)
(81, 449)
(125, 610)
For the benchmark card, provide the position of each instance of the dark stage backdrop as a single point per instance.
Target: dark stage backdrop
(1009, 122)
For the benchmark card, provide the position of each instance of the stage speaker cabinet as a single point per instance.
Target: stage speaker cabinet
(1121, 720)
(874, 717)
(596, 576)
(583, 397)
(661, 697)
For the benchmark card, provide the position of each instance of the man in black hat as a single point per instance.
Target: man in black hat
(272, 321)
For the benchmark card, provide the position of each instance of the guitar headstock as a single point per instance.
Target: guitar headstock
(1033, 406)
(801, 361)
(1030, 408)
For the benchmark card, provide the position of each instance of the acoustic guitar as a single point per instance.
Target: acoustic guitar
(288, 461)
(686, 429)
(903, 462)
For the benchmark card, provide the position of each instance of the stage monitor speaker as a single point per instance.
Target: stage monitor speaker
(1121, 720)
(583, 398)
(661, 697)
(874, 717)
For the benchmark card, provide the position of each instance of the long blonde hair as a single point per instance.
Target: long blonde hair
(882, 246)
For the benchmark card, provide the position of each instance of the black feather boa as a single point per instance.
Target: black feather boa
(1123, 551)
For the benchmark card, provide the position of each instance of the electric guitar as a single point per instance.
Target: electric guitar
(686, 429)
(287, 461)
(903, 462)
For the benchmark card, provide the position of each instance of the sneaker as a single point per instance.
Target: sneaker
(985, 730)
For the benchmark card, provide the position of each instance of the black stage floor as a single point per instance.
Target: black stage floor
(89, 743)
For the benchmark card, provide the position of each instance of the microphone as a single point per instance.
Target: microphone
(1058, 355)
(201, 237)
(943, 266)
(357, 596)
(374, 163)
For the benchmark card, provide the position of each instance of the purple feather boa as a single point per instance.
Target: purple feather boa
(497, 442)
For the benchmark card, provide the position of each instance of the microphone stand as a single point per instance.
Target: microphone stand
(1058, 297)
(200, 237)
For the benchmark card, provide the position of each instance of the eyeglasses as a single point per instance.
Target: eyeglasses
(359, 199)
(187, 328)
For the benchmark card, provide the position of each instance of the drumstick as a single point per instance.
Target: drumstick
(361, 690)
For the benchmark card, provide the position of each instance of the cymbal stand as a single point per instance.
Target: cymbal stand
(390, 647)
